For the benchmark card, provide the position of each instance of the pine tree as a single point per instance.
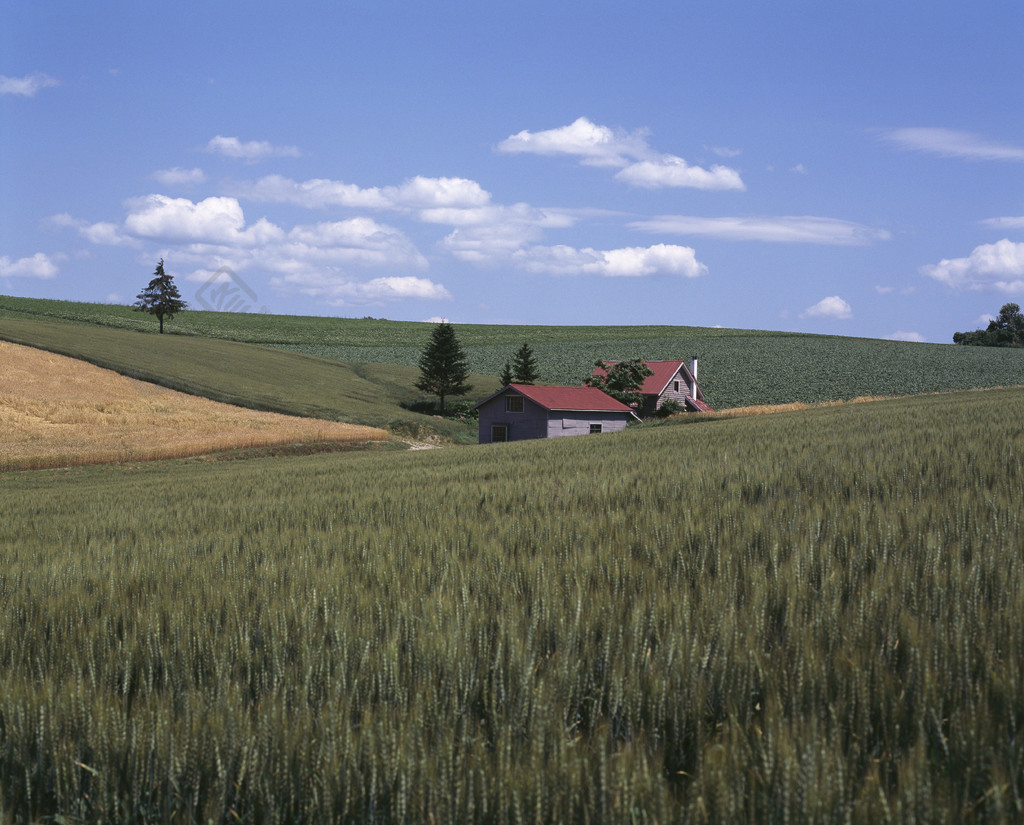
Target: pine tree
(443, 365)
(161, 297)
(506, 376)
(524, 366)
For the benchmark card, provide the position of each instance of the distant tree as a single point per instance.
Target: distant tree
(524, 366)
(161, 297)
(506, 376)
(1006, 330)
(443, 365)
(621, 380)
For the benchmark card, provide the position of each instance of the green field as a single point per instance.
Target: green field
(737, 367)
(804, 617)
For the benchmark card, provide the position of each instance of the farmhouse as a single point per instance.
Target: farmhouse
(670, 380)
(521, 411)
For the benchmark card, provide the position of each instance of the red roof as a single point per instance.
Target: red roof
(575, 399)
(664, 371)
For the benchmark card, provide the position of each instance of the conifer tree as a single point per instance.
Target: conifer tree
(443, 365)
(506, 376)
(160, 297)
(524, 366)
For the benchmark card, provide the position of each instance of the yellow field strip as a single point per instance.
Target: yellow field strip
(57, 411)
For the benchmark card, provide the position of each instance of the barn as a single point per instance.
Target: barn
(521, 411)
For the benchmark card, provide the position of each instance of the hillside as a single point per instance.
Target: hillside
(737, 367)
(57, 411)
(246, 375)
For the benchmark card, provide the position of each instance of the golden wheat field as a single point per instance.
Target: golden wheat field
(58, 411)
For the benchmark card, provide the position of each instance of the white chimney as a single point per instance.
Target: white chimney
(693, 376)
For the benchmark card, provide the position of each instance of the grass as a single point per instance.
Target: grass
(811, 616)
(58, 411)
(738, 367)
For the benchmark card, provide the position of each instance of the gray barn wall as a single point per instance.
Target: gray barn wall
(578, 423)
(530, 423)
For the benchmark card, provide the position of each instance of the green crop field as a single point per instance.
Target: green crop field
(805, 617)
(737, 367)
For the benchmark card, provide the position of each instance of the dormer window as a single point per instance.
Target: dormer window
(513, 403)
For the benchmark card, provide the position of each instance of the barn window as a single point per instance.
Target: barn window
(499, 432)
(595, 428)
(675, 386)
(513, 403)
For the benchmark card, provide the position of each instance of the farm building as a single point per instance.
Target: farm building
(521, 411)
(670, 380)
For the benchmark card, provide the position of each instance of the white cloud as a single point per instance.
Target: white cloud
(726, 151)
(799, 169)
(490, 233)
(954, 144)
(213, 233)
(916, 337)
(415, 193)
(36, 266)
(26, 86)
(669, 170)
(660, 259)
(216, 220)
(788, 229)
(595, 145)
(251, 150)
(1004, 223)
(640, 165)
(831, 307)
(176, 176)
(885, 290)
(998, 266)
(340, 290)
(436, 319)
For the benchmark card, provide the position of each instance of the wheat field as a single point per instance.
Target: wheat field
(57, 411)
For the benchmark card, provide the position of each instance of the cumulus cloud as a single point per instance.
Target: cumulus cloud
(315, 258)
(35, 266)
(415, 193)
(953, 144)
(176, 176)
(629, 262)
(805, 229)
(26, 86)
(831, 307)
(640, 165)
(915, 337)
(669, 170)
(216, 221)
(998, 266)
(251, 151)
(595, 145)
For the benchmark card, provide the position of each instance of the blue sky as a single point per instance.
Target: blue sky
(848, 168)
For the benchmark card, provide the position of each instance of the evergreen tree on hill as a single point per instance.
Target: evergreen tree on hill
(160, 297)
(443, 365)
(524, 366)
